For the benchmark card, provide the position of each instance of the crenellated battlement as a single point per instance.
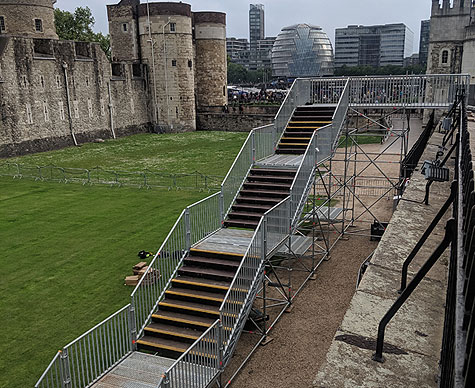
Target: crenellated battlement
(451, 7)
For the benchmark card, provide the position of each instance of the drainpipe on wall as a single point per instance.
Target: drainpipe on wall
(111, 110)
(65, 68)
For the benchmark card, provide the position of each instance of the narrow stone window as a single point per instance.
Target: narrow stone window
(132, 106)
(125, 27)
(172, 27)
(2, 24)
(103, 108)
(45, 111)
(190, 63)
(61, 110)
(89, 108)
(176, 112)
(445, 57)
(173, 62)
(42, 81)
(39, 25)
(58, 81)
(224, 91)
(76, 109)
(29, 114)
(24, 81)
(87, 81)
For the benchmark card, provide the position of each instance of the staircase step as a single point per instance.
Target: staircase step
(270, 178)
(254, 216)
(163, 346)
(208, 273)
(294, 122)
(258, 199)
(273, 171)
(180, 293)
(275, 186)
(290, 151)
(293, 144)
(169, 331)
(201, 284)
(216, 254)
(274, 193)
(187, 307)
(251, 208)
(285, 138)
(182, 320)
(207, 262)
(239, 223)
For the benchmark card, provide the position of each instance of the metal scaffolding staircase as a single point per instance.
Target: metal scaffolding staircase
(190, 307)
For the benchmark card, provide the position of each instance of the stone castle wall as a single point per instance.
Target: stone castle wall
(40, 110)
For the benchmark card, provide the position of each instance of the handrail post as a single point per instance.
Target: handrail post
(450, 231)
(132, 325)
(187, 229)
(221, 205)
(65, 370)
(165, 381)
(253, 147)
(220, 345)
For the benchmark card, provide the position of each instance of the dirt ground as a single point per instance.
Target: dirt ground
(302, 337)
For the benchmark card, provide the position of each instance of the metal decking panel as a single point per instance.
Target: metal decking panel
(281, 160)
(139, 370)
(227, 241)
(299, 246)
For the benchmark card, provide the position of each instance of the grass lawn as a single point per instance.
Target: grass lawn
(66, 248)
(361, 139)
(210, 153)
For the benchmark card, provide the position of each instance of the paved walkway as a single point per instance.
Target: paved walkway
(415, 333)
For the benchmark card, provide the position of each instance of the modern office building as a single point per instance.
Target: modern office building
(302, 50)
(256, 24)
(424, 42)
(379, 45)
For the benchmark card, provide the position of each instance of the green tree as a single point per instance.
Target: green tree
(383, 70)
(78, 26)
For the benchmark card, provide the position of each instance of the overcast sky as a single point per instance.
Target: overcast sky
(329, 14)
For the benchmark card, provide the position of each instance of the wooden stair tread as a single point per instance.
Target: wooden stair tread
(286, 186)
(184, 318)
(294, 144)
(179, 331)
(194, 293)
(189, 280)
(261, 199)
(264, 208)
(241, 223)
(209, 260)
(247, 214)
(163, 343)
(207, 271)
(192, 306)
(276, 170)
(282, 193)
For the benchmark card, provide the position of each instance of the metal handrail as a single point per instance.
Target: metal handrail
(200, 364)
(51, 374)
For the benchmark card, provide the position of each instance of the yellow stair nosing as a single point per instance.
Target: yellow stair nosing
(196, 323)
(215, 252)
(200, 284)
(309, 122)
(189, 308)
(194, 296)
(171, 333)
(294, 144)
(161, 346)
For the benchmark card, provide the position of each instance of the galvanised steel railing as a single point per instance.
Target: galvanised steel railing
(195, 223)
(118, 178)
(299, 94)
(272, 230)
(328, 90)
(339, 118)
(200, 365)
(433, 90)
(89, 357)
(259, 144)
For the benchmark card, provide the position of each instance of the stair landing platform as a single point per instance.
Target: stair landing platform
(138, 370)
(281, 161)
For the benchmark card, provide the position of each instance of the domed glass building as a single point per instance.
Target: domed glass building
(302, 50)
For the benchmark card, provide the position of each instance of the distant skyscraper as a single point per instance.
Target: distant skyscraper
(256, 24)
(380, 45)
(424, 43)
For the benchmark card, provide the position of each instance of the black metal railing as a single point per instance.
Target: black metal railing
(457, 361)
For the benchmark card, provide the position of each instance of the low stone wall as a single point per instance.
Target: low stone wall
(231, 122)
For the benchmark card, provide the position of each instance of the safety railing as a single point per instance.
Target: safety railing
(195, 223)
(100, 176)
(200, 364)
(272, 230)
(259, 144)
(339, 117)
(328, 90)
(89, 357)
(299, 94)
(417, 90)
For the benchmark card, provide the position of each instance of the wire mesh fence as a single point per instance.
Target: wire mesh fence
(100, 176)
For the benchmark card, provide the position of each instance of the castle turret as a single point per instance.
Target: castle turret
(29, 18)
(210, 58)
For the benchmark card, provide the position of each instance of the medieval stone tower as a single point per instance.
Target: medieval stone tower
(450, 37)
(31, 18)
(184, 52)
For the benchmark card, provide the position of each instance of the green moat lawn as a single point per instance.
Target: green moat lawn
(66, 248)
